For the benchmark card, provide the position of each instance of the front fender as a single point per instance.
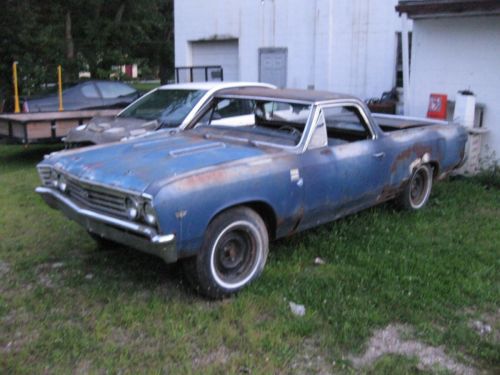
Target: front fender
(186, 207)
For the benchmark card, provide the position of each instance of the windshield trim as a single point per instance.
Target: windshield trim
(300, 147)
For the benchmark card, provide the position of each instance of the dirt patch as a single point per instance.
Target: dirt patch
(120, 337)
(17, 317)
(18, 341)
(310, 360)
(221, 356)
(389, 341)
(83, 367)
(487, 326)
(49, 274)
(4, 268)
(45, 273)
(133, 339)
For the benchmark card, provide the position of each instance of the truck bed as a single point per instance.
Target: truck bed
(390, 123)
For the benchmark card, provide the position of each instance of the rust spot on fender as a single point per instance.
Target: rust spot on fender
(213, 177)
(418, 151)
(327, 151)
(390, 192)
(92, 166)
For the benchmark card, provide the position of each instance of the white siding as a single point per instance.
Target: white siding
(340, 45)
(198, 20)
(453, 54)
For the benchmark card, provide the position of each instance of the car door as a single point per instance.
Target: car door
(349, 172)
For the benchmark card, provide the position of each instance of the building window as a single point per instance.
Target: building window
(399, 57)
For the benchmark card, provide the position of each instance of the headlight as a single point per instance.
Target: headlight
(149, 213)
(54, 178)
(132, 207)
(62, 183)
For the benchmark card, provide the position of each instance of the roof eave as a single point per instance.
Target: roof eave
(448, 8)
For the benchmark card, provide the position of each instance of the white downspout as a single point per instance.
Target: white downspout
(329, 65)
(312, 67)
(406, 64)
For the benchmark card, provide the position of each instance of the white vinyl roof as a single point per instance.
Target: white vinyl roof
(212, 85)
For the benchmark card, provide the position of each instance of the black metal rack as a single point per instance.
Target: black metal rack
(216, 72)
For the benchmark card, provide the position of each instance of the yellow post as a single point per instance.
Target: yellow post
(59, 81)
(16, 91)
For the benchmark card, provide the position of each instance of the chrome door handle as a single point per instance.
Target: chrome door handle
(379, 155)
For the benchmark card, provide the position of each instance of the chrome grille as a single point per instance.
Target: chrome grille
(44, 173)
(97, 198)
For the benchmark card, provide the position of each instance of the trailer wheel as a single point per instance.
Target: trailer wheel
(417, 191)
(233, 254)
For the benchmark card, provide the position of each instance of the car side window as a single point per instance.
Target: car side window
(114, 89)
(345, 124)
(89, 91)
(235, 112)
(232, 107)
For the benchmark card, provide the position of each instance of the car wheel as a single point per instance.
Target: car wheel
(233, 253)
(417, 191)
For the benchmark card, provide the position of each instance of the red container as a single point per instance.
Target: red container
(437, 106)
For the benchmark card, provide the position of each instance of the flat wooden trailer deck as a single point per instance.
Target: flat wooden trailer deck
(45, 127)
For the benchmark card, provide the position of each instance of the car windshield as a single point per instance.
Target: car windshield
(267, 121)
(169, 107)
(48, 89)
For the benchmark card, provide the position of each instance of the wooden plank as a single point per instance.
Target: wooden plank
(47, 116)
(4, 127)
(17, 130)
(49, 126)
(64, 126)
(37, 130)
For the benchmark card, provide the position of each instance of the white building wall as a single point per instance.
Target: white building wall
(452, 54)
(339, 45)
(197, 20)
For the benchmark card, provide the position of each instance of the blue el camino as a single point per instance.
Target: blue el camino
(215, 195)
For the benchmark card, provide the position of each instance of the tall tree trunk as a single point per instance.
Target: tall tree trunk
(165, 68)
(165, 55)
(165, 58)
(119, 13)
(70, 67)
(70, 46)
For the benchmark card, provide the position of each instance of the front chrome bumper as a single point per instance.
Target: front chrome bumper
(137, 236)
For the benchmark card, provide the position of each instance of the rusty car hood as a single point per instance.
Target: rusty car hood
(136, 164)
(101, 130)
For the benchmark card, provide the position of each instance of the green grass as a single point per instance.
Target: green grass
(119, 310)
(145, 86)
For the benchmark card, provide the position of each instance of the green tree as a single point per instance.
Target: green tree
(80, 35)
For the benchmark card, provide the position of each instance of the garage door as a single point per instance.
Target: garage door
(221, 52)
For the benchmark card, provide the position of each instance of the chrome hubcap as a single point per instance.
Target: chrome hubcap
(418, 188)
(235, 255)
